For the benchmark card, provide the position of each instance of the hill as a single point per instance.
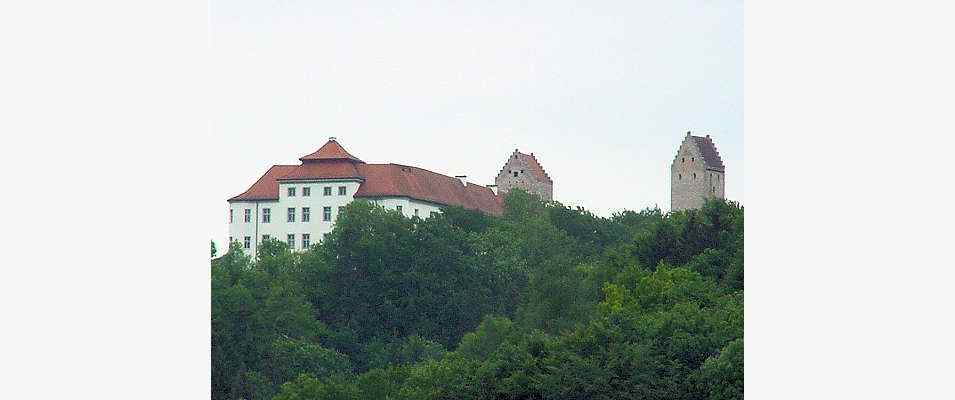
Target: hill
(545, 301)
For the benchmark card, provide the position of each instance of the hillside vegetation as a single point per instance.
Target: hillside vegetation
(544, 302)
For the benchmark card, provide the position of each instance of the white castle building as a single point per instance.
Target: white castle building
(299, 204)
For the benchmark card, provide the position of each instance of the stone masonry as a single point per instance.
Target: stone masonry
(696, 174)
(525, 172)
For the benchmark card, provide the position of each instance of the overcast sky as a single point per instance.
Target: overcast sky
(601, 94)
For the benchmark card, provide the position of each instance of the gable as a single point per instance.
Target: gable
(702, 148)
(530, 164)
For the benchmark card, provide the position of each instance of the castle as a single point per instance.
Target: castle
(697, 173)
(300, 203)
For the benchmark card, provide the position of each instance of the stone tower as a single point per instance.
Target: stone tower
(524, 172)
(697, 173)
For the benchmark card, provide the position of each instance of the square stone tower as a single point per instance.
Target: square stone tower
(525, 172)
(696, 174)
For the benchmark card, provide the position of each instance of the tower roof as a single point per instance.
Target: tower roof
(711, 157)
(331, 150)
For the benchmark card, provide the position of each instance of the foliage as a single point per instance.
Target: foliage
(542, 302)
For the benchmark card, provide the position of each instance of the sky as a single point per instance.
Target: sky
(602, 94)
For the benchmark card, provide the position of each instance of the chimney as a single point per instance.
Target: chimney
(493, 188)
(688, 133)
(463, 179)
(331, 139)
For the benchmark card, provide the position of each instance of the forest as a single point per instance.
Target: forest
(543, 302)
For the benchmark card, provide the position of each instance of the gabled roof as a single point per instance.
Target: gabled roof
(711, 157)
(377, 180)
(267, 187)
(386, 180)
(331, 150)
(536, 169)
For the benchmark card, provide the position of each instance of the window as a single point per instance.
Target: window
(231, 239)
(326, 213)
(266, 237)
(306, 214)
(247, 243)
(679, 176)
(230, 216)
(248, 215)
(398, 208)
(266, 215)
(290, 240)
(291, 192)
(694, 175)
(692, 159)
(515, 174)
(328, 190)
(305, 240)
(291, 214)
(416, 212)
(522, 171)
(342, 190)
(683, 160)
(306, 191)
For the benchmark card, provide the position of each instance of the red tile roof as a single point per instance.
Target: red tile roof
(330, 151)
(711, 157)
(334, 169)
(386, 180)
(537, 169)
(267, 187)
(377, 180)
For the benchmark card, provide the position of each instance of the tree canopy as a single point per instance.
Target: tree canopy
(543, 302)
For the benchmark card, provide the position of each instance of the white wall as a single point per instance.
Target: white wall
(278, 228)
(239, 229)
(408, 206)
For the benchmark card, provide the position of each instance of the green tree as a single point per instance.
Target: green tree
(543, 302)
